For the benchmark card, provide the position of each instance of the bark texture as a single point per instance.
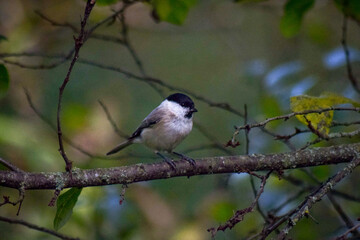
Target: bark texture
(161, 170)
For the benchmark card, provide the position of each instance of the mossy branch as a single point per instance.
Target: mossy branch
(161, 170)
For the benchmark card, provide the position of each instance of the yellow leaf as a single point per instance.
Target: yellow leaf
(319, 121)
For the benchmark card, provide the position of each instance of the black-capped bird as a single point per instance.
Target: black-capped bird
(165, 127)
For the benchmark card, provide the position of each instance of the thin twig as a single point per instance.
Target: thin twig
(240, 214)
(288, 201)
(53, 127)
(314, 130)
(36, 227)
(252, 181)
(290, 115)
(346, 219)
(112, 122)
(211, 103)
(79, 41)
(10, 166)
(63, 59)
(351, 76)
(20, 200)
(247, 140)
(343, 236)
(332, 136)
(76, 30)
(55, 197)
(305, 206)
(212, 138)
(132, 51)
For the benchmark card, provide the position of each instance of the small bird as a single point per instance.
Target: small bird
(165, 127)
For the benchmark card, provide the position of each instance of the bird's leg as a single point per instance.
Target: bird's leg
(189, 159)
(167, 160)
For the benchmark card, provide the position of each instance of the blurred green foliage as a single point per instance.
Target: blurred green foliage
(349, 7)
(173, 11)
(294, 12)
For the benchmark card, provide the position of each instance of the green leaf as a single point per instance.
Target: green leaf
(4, 80)
(172, 11)
(105, 2)
(320, 121)
(349, 7)
(64, 207)
(294, 11)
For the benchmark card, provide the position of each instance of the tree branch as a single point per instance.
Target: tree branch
(161, 170)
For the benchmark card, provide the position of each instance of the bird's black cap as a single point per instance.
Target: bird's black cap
(181, 99)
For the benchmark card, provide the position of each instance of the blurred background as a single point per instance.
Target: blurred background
(226, 52)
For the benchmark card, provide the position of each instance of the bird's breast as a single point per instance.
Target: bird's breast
(167, 134)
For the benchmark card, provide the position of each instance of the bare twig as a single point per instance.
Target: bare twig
(336, 124)
(36, 227)
(112, 122)
(211, 103)
(76, 30)
(305, 206)
(240, 214)
(55, 197)
(346, 196)
(252, 182)
(132, 51)
(79, 41)
(314, 130)
(20, 200)
(300, 131)
(53, 127)
(287, 201)
(10, 166)
(343, 236)
(351, 76)
(212, 138)
(62, 59)
(296, 132)
(290, 115)
(247, 140)
(57, 24)
(346, 219)
(332, 136)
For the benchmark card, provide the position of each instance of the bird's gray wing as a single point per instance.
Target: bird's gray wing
(153, 118)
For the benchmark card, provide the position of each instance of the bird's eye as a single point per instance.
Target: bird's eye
(183, 104)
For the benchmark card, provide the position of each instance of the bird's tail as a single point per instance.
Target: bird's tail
(120, 147)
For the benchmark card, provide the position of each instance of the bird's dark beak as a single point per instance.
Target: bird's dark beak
(193, 110)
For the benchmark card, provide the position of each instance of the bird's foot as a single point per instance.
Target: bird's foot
(186, 158)
(168, 161)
